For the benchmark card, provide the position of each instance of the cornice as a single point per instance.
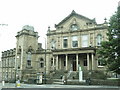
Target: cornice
(26, 34)
(84, 30)
(74, 49)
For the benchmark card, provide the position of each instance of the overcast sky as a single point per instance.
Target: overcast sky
(44, 13)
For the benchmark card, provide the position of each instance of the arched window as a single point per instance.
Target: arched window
(30, 49)
(19, 49)
(51, 61)
(29, 58)
(41, 62)
(74, 27)
(99, 39)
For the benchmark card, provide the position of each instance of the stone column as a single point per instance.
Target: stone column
(66, 62)
(60, 63)
(93, 62)
(94, 38)
(57, 62)
(53, 62)
(77, 62)
(88, 63)
(80, 74)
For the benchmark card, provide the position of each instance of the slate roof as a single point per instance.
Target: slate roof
(73, 13)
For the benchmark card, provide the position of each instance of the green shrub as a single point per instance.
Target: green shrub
(97, 75)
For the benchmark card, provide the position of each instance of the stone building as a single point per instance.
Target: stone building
(8, 65)
(0, 71)
(73, 43)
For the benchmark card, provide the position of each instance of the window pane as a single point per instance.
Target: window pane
(65, 42)
(101, 63)
(53, 42)
(74, 38)
(41, 65)
(29, 56)
(99, 39)
(28, 62)
(74, 41)
(85, 41)
(74, 27)
(41, 59)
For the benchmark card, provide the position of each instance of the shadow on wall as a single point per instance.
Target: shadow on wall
(0, 75)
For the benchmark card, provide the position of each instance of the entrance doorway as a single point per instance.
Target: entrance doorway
(74, 65)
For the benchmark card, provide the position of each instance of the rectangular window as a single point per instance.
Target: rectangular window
(100, 63)
(74, 41)
(99, 39)
(53, 44)
(84, 40)
(65, 42)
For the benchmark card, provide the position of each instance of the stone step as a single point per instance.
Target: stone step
(59, 80)
(58, 83)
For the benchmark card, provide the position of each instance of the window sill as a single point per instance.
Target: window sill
(65, 48)
(74, 47)
(100, 66)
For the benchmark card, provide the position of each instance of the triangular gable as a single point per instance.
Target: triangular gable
(73, 13)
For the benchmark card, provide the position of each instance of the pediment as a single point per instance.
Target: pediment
(74, 20)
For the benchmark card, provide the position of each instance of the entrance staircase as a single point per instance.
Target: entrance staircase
(58, 81)
(58, 76)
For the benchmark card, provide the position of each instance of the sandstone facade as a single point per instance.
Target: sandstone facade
(73, 43)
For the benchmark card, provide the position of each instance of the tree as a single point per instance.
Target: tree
(109, 52)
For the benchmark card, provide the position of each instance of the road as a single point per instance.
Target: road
(11, 86)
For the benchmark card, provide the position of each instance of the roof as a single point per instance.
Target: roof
(28, 27)
(73, 13)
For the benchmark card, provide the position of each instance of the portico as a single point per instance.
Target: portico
(70, 60)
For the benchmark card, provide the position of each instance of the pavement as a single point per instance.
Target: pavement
(80, 87)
